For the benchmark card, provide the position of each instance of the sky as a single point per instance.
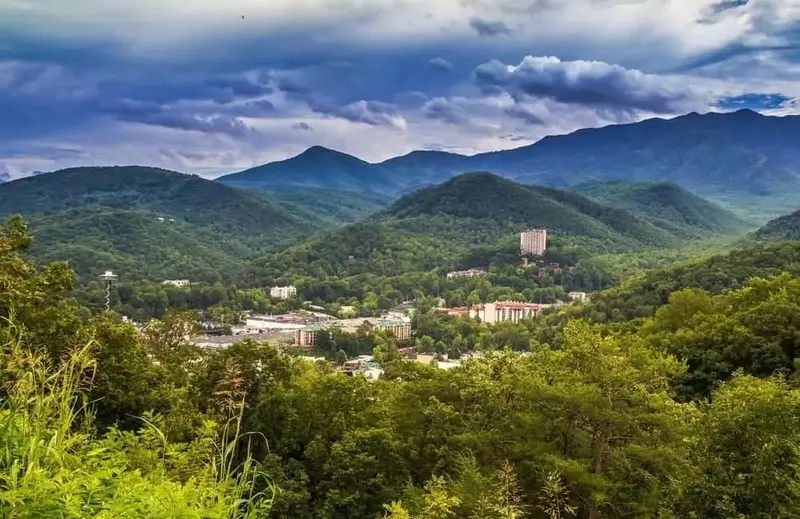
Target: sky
(217, 86)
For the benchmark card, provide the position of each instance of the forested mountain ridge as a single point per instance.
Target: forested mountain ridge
(176, 195)
(136, 245)
(317, 167)
(146, 222)
(335, 206)
(783, 228)
(484, 195)
(744, 160)
(667, 205)
(440, 226)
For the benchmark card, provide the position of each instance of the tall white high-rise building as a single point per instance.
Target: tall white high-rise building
(533, 241)
(288, 292)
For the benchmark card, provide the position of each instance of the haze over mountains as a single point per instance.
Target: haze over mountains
(742, 159)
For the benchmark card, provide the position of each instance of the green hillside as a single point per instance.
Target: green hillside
(135, 244)
(780, 229)
(667, 205)
(490, 197)
(333, 206)
(440, 226)
(150, 223)
(172, 194)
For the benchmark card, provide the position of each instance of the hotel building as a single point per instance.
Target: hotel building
(533, 241)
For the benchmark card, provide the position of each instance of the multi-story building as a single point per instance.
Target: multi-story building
(400, 329)
(469, 273)
(498, 311)
(176, 282)
(533, 241)
(578, 296)
(288, 292)
(306, 337)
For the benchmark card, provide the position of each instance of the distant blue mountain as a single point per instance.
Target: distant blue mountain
(741, 159)
(316, 167)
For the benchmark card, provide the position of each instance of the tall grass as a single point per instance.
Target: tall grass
(52, 464)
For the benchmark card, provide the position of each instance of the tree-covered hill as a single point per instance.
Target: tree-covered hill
(147, 222)
(172, 194)
(442, 226)
(333, 206)
(667, 205)
(317, 167)
(780, 229)
(488, 196)
(642, 296)
(135, 244)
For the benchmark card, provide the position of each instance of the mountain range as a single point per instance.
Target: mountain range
(744, 160)
(155, 224)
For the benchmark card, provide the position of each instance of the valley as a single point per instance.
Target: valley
(372, 326)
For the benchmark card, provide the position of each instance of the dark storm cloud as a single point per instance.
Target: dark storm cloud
(585, 83)
(230, 126)
(256, 109)
(176, 117)
(373, 113)
(164, 86)
(489, 28)
(525, 114)
(441, 109)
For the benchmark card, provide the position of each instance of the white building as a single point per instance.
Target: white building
(288, 292)
(469, 273)
(581, 297)
(533, 241)
(491, 313)
(177, 282)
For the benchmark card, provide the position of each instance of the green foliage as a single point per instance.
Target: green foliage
(100, 218)
(780, 229)
(641, 296)
(746, 452)
(333, 206)
(53, 465)
(667, 205)
(756, 328)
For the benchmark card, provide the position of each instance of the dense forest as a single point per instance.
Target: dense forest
(150, 225)
(670, 396)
